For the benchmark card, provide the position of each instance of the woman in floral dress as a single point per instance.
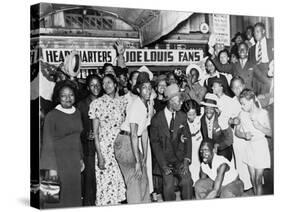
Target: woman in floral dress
(108, 114)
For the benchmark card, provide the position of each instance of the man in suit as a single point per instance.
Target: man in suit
(245, 68)
(171, 144)
(211, 130)
(262, 55)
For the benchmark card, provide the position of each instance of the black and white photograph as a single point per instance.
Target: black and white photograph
(141, 106)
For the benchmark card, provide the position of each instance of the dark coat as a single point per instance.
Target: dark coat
(246, 73)
(169, 150)
(222, 137)
(270, 51)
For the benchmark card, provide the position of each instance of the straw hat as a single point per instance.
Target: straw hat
(172, 91)
(210, 100)
(71, 65)
(145, 69)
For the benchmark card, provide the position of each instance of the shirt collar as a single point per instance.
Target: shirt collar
(211, 120)
(65, 110)
(263, 40)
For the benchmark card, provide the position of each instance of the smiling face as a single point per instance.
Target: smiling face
(210, 67)
(66, 97)
(237, 87)
(175, 103)
(210, 112)
(145, 91)
(217, 89)
(109, 70)
(108, 85)
(94, 87)
(172, 79)
(191, 115)
(243, 51)
(161, 87)
(206, 153)
(238, 39)
(224, 58)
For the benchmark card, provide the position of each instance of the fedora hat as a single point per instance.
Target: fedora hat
(71, 65)
(210, 100)
(172, 91)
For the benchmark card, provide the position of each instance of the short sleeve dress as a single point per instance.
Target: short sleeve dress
(110, 184)
(257, 150)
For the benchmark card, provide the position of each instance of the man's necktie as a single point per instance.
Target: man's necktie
(259, 53)
(172, 123)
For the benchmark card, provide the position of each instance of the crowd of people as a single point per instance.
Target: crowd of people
(204, 133)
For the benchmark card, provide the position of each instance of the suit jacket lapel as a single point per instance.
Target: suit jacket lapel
(247, 65)
(176, 125)
(204, 127)
(164, 123)
(215, 126)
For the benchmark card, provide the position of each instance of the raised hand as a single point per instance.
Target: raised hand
(120, 47)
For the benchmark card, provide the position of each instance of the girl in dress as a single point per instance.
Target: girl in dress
(108, 113)
(192, 109)
(254, 126)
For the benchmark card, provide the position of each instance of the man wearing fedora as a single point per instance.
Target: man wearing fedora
(212, 131)
(171, 144)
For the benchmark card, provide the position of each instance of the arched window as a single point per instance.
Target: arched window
(87, 19)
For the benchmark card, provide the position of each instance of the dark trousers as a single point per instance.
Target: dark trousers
(184, 182)
(89, 176)
(226, 152)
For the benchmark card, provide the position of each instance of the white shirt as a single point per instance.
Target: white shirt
(264, 55)
(225, 104)
(218, 160)
(168, 115)
(210, 124)
(252, 41)
(195, 127)
(243, 62)
(130, 98)
(137, 114)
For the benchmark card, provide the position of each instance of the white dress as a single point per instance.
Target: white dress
(239, 148)
(195, 129)
(110, 183)
(257, 150)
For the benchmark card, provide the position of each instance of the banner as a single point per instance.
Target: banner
(133, 57)
(221, 28)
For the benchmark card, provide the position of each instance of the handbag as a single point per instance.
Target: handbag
(50, 189)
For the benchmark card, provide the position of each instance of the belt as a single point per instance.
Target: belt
(123, 132)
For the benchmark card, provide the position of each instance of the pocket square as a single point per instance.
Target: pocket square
(217, 129)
